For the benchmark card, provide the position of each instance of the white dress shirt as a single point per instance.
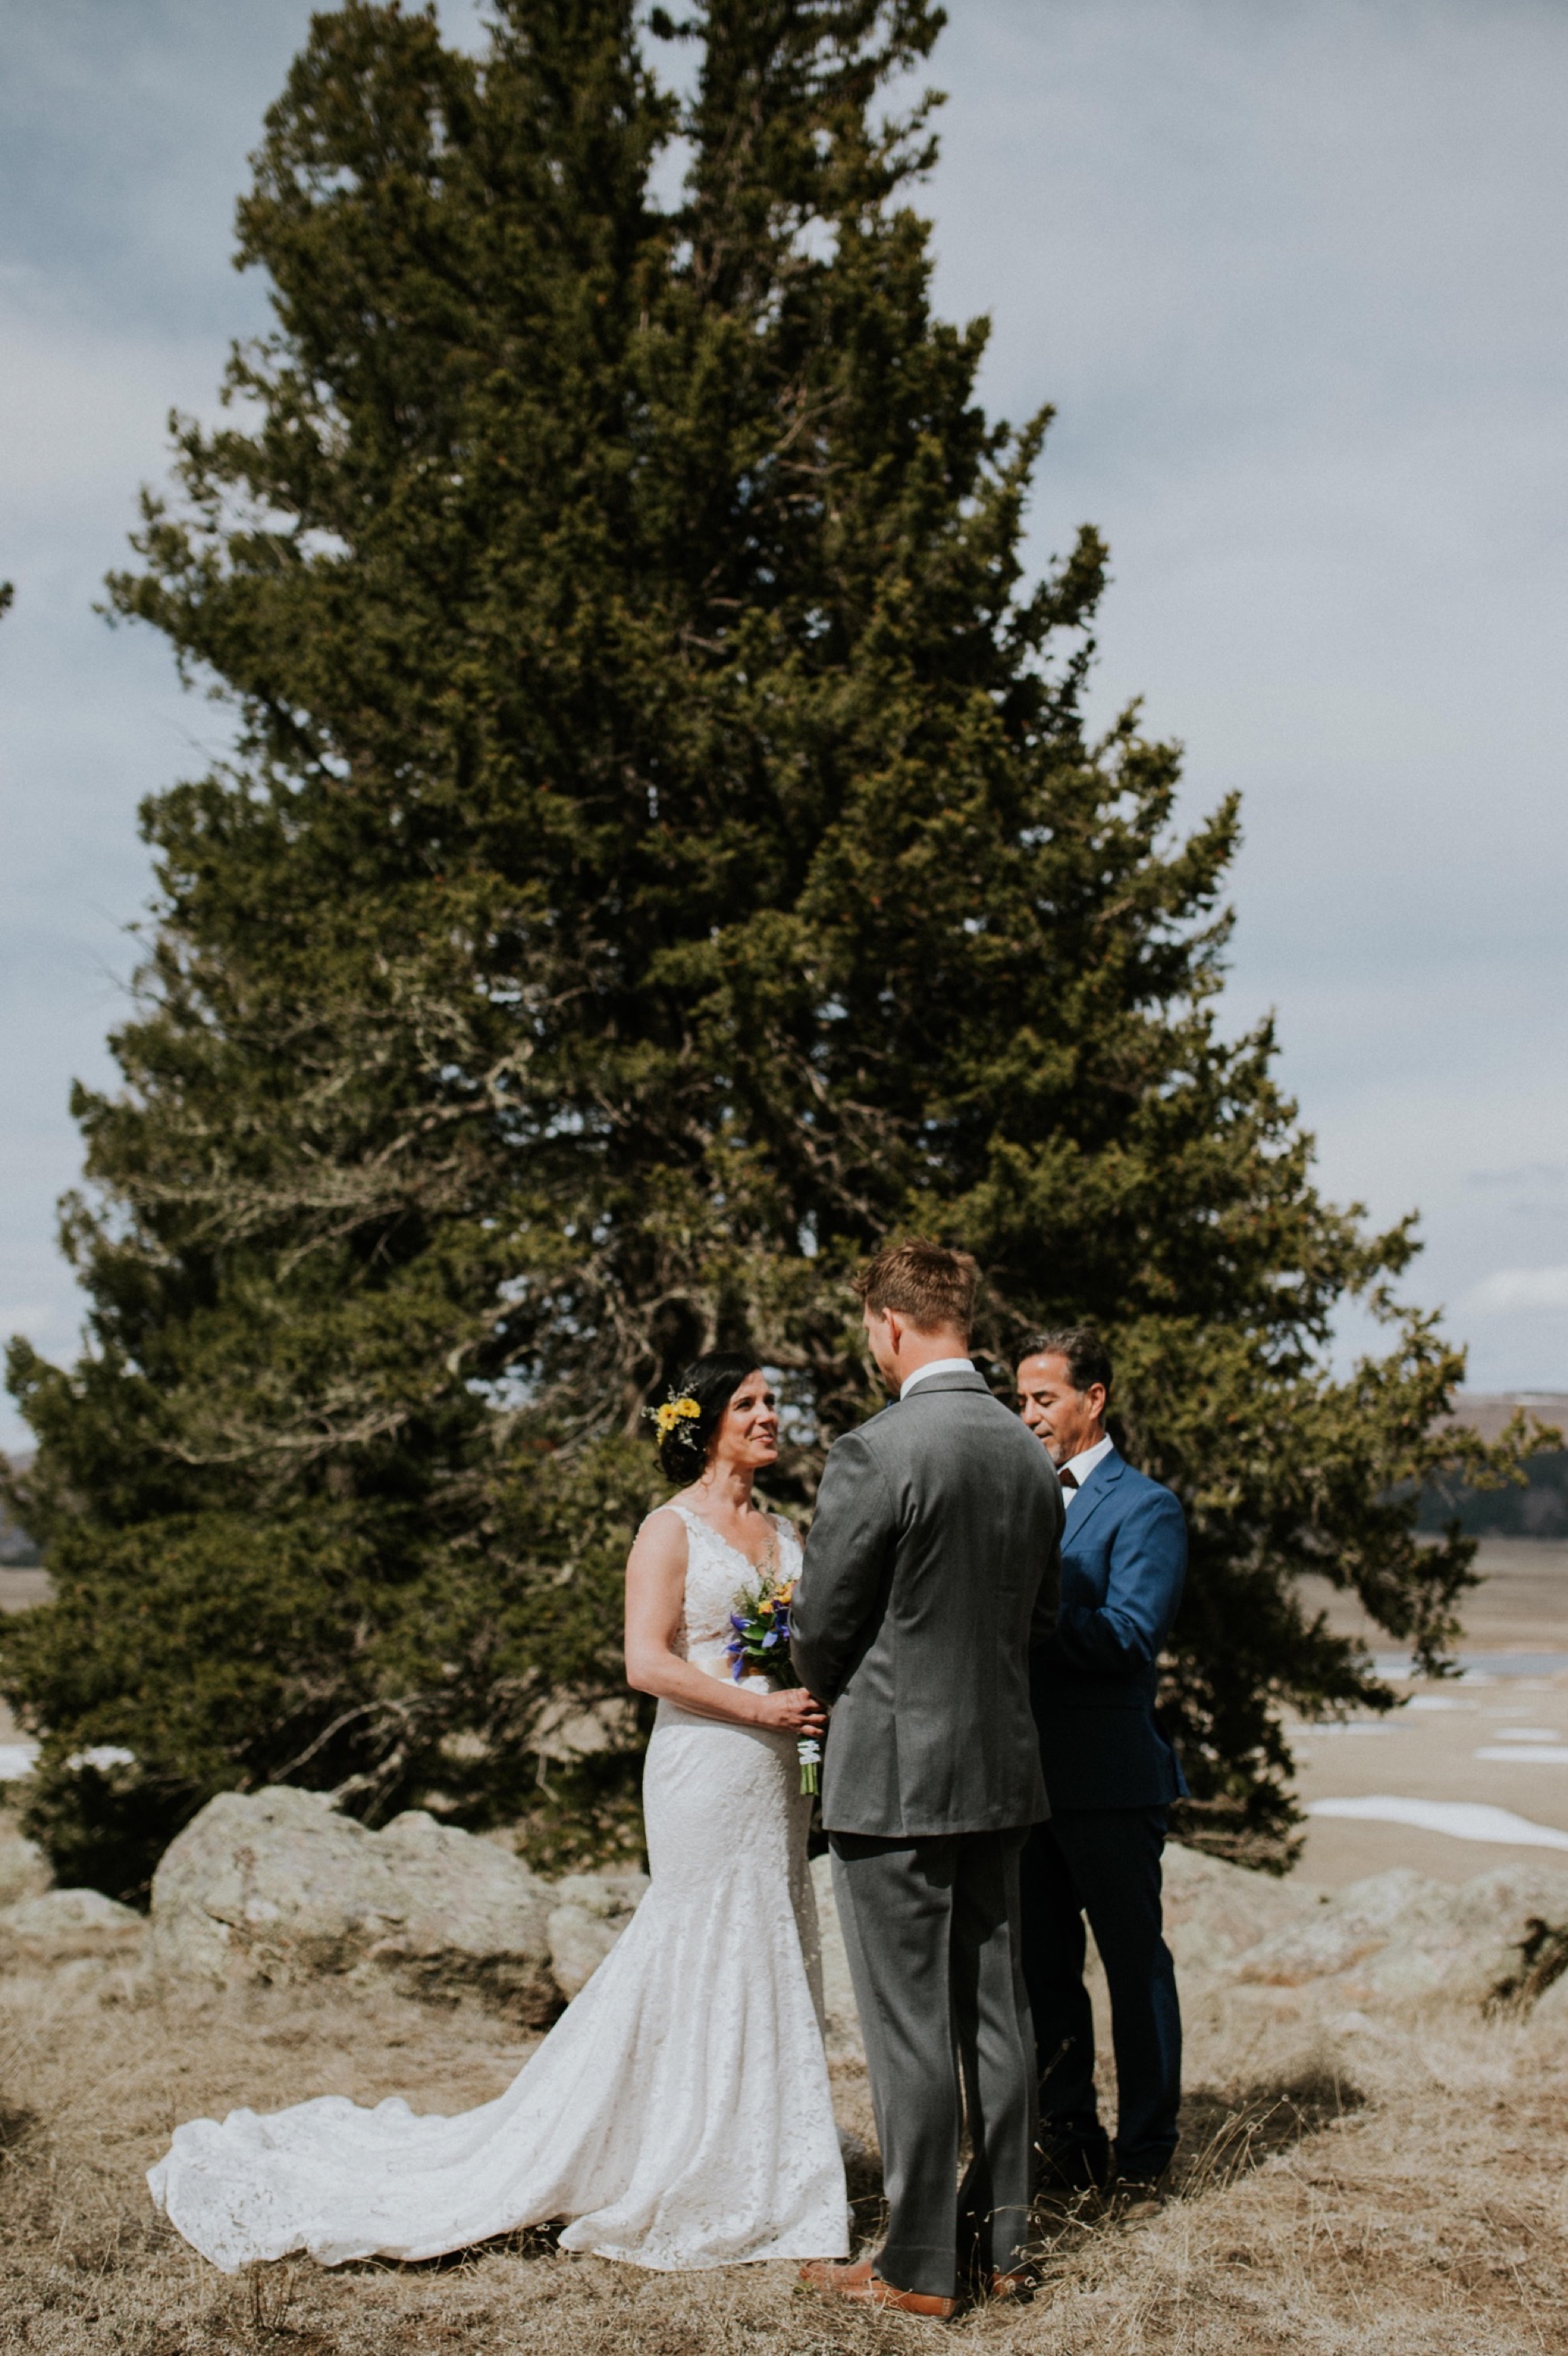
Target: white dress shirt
(1080, 1467)
(938, 1367)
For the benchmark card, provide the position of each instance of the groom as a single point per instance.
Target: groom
(930, 1570)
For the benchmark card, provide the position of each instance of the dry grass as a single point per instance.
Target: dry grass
(1353, 2187)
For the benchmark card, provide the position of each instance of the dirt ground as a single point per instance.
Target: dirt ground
(1343, 2186)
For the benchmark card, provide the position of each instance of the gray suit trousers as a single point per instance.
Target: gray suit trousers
(931, 1927)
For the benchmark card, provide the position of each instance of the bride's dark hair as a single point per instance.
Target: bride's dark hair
(712, 1381)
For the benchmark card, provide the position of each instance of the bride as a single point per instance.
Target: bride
(678, 2113)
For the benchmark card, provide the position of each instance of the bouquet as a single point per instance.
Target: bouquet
(760, 1619)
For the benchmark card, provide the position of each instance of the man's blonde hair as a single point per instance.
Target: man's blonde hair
(932, 1287)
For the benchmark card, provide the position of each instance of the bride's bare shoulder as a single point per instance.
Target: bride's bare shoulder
(661, 1541)
(676, 1512)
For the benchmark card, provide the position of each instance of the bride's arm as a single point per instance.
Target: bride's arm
(655, 1590)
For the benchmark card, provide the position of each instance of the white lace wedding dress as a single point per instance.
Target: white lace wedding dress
(678, 2113)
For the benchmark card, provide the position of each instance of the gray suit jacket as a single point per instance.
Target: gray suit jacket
(932, 1569)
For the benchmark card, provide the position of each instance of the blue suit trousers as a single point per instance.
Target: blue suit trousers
(1103, 1863)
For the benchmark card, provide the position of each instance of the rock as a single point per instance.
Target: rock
(1215, 1912)
(276, 1886)
(1394, 1938)
(60, 1925)
(1552, 2002)
(1498, 1939)
(587, 1914)
(24, 1873)
(845, 2042)
(1349, 1926)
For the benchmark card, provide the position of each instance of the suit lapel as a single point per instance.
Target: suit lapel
(1095, 1490)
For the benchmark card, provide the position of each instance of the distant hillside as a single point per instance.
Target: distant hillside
(1539, 1511)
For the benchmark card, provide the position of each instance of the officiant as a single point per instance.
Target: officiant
(1110, 1777)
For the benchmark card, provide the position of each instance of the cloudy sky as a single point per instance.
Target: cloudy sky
(1294, 275)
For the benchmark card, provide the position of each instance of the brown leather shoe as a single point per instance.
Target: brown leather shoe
(1019, 2284)
(860, 2281)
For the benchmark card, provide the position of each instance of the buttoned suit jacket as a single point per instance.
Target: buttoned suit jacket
(930, 1570)
(1123, 1563)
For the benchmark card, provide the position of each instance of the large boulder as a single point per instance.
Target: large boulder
(62, 1925)
(1395, 1938)
(1500, 1939)
(1215, 1911)
(1346, 1927)
(588, 1912)
(277, 1886)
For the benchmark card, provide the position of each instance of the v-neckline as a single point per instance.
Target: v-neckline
(758, 1569)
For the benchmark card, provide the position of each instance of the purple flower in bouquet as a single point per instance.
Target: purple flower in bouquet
(761, 1641)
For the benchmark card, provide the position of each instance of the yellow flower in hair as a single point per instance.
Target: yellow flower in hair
(674, 1411)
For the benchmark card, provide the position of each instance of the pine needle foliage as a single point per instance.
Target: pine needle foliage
(662, 855)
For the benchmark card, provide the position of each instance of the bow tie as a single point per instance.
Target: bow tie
(1068, 1477)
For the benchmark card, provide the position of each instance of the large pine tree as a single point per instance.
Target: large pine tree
(662, 855)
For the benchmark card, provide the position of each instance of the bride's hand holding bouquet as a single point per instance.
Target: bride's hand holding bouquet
(794, 1711)
(760, 1645)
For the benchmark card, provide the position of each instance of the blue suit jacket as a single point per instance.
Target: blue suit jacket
(1092, 1683)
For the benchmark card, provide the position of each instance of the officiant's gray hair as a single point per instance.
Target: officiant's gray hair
(1087, 1359)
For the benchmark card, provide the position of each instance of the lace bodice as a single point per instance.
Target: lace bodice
(717, 1573)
